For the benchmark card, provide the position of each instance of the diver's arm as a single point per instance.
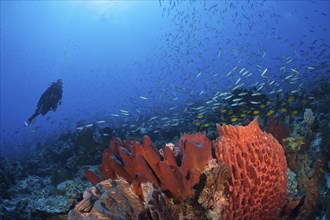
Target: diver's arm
(59, 100)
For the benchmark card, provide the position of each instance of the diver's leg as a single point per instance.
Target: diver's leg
(29, 121)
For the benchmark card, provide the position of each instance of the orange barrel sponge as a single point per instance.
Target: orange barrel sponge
(257, 188)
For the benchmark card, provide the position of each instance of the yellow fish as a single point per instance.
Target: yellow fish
(243, 115)
(294, 112)
(197, 123)
(200, 116)
(291, 98)
(262, 106)
(206, 125)
(268, 102)
(304, 101)
(283, 110)
(223, 110)
(233, 119)
(270, 112)
(255, 112)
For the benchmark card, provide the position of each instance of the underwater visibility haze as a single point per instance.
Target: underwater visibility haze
(162, 69)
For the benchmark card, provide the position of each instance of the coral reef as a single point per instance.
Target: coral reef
(311, 202)
(181, 181)
(33, 200)
(294, 142)
(289, 210)
(292, 184)
(278, 129)
(109, 199)
(258, 185)
(323, 158)
(216, 175)
(116, 199)
(307, 158)
(309, 117)
(156, 205)
(7, 174)
(294, 152)
(142, 163)
(247, 180)
(324, 125)
(33, 187)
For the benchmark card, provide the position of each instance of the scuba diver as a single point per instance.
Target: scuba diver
(48, 100)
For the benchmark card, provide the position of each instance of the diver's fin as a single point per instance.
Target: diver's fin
(26, 124)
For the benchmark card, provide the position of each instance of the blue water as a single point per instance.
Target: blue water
(173, 53)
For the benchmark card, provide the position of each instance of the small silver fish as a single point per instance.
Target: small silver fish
(263, 73)
(288, 77)
(255, 103)
(237, 100)
(260, 87)
(224, 93)
(153, 118)
(237, 86)
(228, 97)
(246, 72)
(239, 79)
(294, 70)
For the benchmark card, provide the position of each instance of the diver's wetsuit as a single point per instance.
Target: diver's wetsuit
(48, 101)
